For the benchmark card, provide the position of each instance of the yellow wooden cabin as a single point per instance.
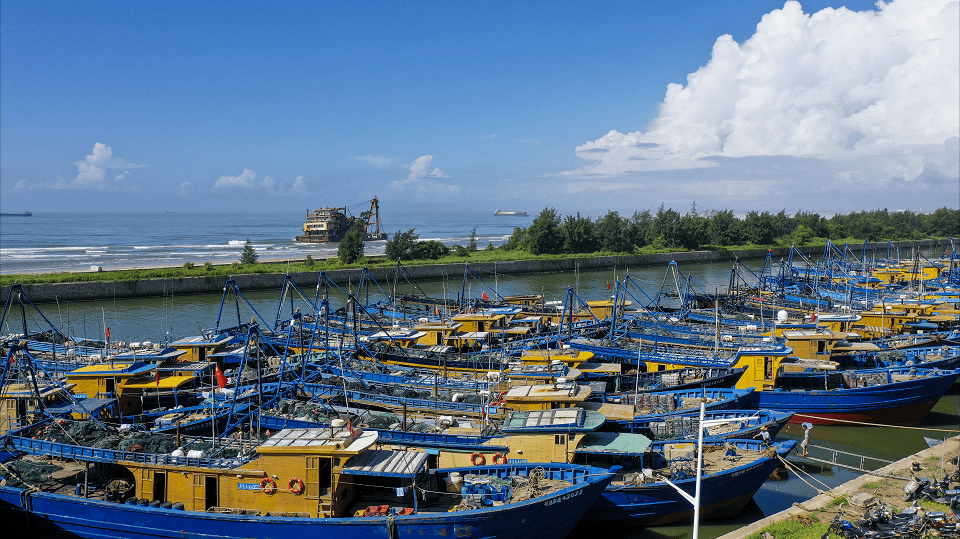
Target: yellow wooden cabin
(761, 364)
(21, 406)
(198, 347)
(298, 472)
(490, 322)
(821, 344)
(436, 333)
(551, 436)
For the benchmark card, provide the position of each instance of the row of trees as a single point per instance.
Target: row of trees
(668, 229)
(549, 234)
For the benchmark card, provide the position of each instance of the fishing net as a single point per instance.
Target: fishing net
(302, 410)
(381, 421)
(148, 443)
(28, 472)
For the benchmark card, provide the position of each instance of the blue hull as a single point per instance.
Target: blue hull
(657, 504)
(548, 517)
(898, 403)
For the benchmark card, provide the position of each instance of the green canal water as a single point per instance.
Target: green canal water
(167, 319)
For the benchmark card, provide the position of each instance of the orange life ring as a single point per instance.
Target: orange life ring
(499, 458)
(296, 486)
(268, 486)
(478, 459)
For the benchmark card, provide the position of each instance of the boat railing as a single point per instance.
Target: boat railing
(400, 402)
(95, 454)
(420, 380)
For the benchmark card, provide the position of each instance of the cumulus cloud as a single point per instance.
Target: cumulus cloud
(421, 179)
(300, 186)
(92, 171)
(248, 181)
(874, 96)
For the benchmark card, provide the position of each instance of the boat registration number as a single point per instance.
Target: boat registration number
(567, 496)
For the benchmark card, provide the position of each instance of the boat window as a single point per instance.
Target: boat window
(767, 368)
(560, 439)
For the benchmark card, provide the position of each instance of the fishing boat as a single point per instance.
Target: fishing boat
(322, 483)
(898, 396)
(733, 472)
(331, 224)
(735, 466)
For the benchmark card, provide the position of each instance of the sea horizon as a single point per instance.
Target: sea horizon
(50, 242)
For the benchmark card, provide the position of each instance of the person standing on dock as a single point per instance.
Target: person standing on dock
(806, 439)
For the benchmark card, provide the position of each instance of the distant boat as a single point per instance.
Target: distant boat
(511, 213)
(331, 224)
(24, 214)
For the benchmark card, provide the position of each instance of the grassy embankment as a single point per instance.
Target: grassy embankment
(209, 269)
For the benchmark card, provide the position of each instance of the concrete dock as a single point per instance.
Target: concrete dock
(946, 450)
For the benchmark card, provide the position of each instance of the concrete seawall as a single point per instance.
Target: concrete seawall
(83, 291)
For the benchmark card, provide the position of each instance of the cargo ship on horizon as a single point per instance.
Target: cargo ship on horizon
(511, 213)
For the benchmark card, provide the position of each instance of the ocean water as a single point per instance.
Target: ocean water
(52, 242)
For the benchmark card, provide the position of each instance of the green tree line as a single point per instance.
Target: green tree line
(668, 229)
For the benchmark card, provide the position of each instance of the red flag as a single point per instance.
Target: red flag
(221, 379)
(158, 376)
(485, 298)
(108, 334)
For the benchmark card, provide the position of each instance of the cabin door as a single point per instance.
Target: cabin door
(160, 486)
(560, 448)
(146, 484)
(199, 493)
(9, 415)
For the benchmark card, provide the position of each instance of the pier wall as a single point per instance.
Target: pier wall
(99, 290)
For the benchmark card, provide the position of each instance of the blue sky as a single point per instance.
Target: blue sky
(623, 106)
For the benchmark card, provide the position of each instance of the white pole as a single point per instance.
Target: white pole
(696, 503)
(636, 389)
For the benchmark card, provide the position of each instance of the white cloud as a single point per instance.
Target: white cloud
(300, 186)
(246, 180)
(873, 96)
(378, 161)
(92, 171)
(420, 180)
